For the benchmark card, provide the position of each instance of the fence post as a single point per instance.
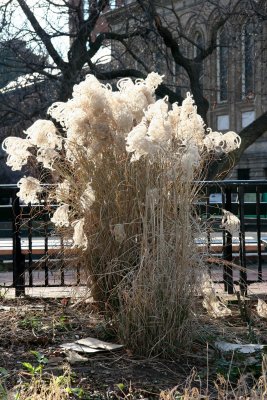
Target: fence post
(242, 243)
(228, 248)
(258, 220)
(18, 257)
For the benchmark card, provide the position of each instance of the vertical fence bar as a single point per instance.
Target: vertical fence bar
(30, 249)
(62, 264)
(223, 206)
(46, 219)
(18, 257)
(208, 225)
(242, 242)
(228, 248)
(78, 274)
(258, 220)
(223, 241)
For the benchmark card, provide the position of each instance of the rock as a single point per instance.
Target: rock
(238, 347)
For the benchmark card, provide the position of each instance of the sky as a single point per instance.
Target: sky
(51, 20)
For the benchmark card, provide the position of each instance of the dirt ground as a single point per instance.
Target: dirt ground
(28, 325)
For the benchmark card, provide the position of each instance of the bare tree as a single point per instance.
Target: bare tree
(143, 35)
(172, 38)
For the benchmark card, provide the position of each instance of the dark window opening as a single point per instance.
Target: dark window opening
(248, 55)
(243, 174)
(223, 66)
(197, 51)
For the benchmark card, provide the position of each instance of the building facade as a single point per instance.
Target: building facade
(233, 76)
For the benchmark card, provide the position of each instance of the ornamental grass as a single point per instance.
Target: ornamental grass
(125, 167)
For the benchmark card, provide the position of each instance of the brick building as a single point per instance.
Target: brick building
(234, 76)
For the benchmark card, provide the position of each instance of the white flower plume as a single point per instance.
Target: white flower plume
(79, 237)
(43, 134)
(29, 189)
(61, 216)
(222, 143)
(63, 191)
(230, 222)
(88, 197)
(153, 80)
(17, 150)
(47, 157)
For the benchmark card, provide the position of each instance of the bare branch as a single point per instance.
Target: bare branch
(42, 34)
(204, 53)
(95, 46)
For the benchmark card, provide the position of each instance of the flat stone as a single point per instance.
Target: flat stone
(240, 348)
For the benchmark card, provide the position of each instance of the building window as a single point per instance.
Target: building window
(248, 57)
(243, 173)
(112, 4)
(247, 118)
(199, 41)
(176, 71)
(223, 122)
(199, 44)
(222, 66)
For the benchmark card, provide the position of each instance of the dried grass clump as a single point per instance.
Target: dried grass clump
(157, 296)
(126, 167)
(46, 387)
(247, 388)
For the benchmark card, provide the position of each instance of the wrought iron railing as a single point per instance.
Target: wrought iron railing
(248, 201)
(28, 241)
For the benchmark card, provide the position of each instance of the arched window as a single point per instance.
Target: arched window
(248, 60)
(222, 66)
(199, 41)
(199, 44)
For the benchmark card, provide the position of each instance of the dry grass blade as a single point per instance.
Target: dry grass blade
(46, 387)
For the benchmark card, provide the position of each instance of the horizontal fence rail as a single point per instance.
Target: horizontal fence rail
(39, 256)
(28, 242)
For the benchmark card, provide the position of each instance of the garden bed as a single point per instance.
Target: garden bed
(32, 331)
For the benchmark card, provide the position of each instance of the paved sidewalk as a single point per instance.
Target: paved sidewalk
(257, 289)
(70, 278)
(49, 292)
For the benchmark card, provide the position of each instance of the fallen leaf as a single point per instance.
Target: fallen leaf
(74, 357)
(98, 344)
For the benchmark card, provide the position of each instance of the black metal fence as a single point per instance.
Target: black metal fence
(30, 246)
(248, 201)
(37, 255)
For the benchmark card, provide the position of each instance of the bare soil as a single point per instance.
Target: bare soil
(43, 325)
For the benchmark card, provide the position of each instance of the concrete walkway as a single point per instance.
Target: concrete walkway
(74, 292)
